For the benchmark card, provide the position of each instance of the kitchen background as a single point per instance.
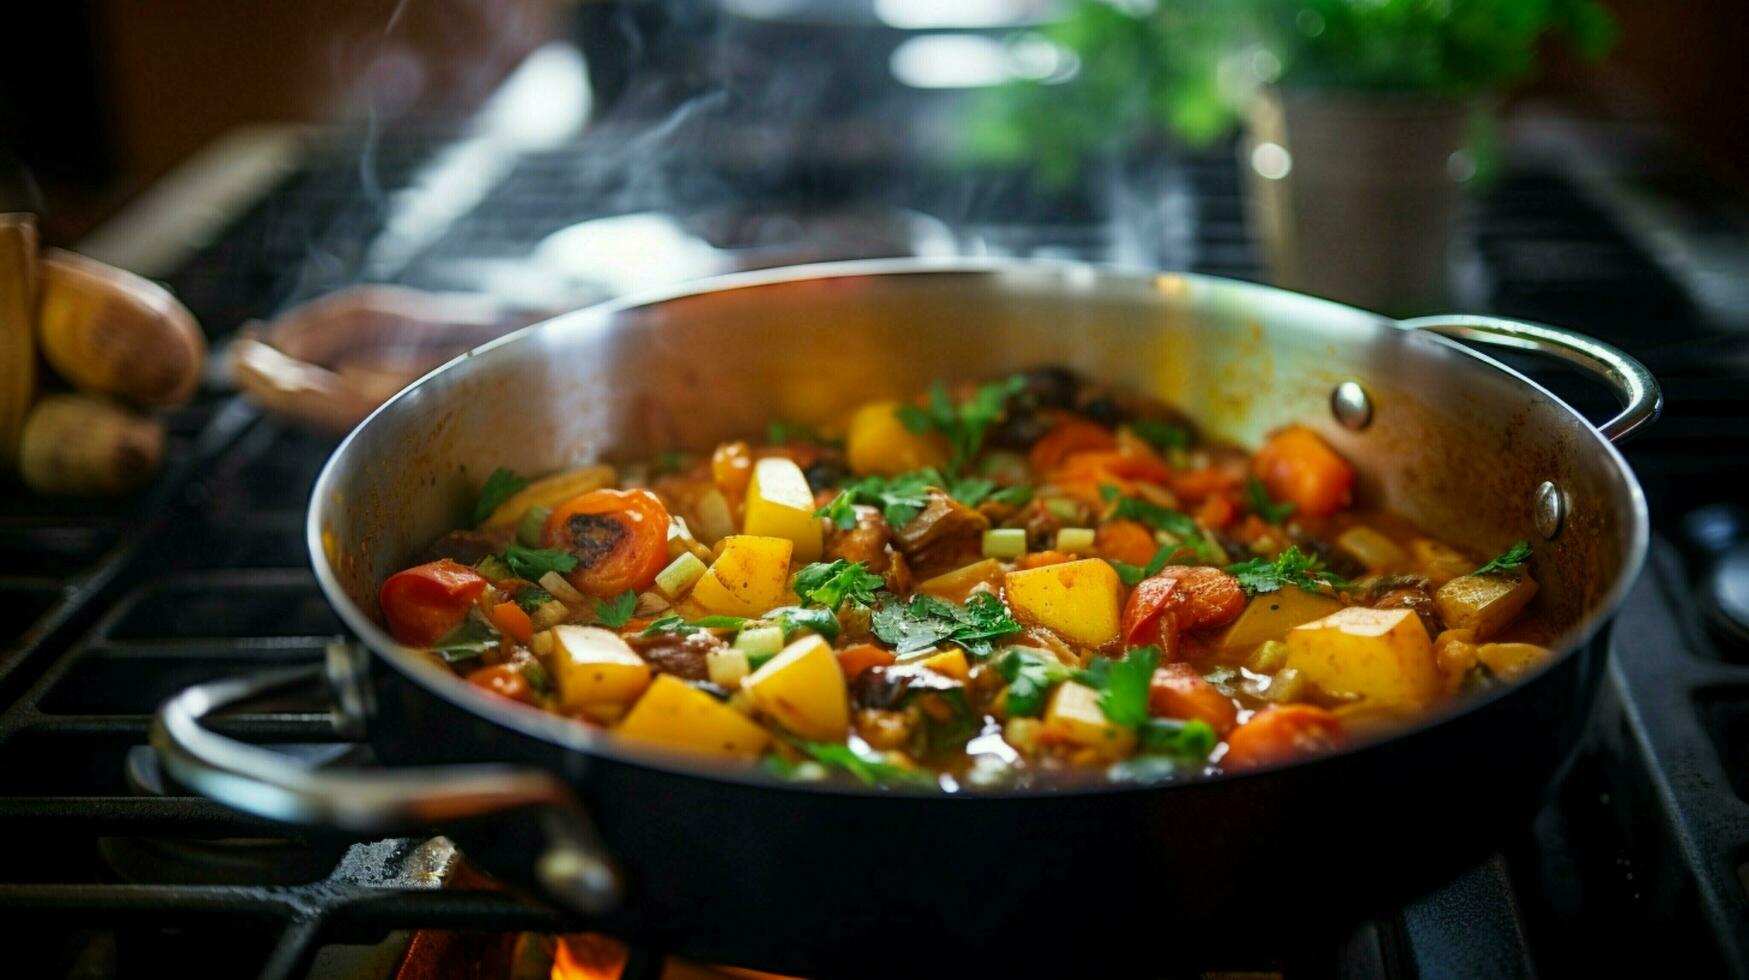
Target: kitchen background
(536, 156)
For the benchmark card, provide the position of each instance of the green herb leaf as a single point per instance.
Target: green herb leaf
(670, 462)
(794, 619)
(974, 490)
(1123, 684)
(670, 623)
(721, 622)
(830, 584)
(537, 677)
(1191, 740)
(1291, 567)
(964, 424)
(1030, 675)
(1510, 560)
(924, 621)
(499, 487)
(841, 511)
(1162, 435)
(615, 612)
(900, 498)
(867, 766)
(532, 563)
(1133, 575)
(531, 597)
(1257, 496)
(1157, 517)
(779, 432)
(466, 641)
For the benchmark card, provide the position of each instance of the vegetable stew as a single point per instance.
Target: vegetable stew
(990, 585)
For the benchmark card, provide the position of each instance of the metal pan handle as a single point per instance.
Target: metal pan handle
(1638, 391)
(574, 867)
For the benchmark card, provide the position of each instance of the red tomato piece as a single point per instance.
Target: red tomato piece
(504, 680)
(619, 538)
(422, 604)
(1282, 733)
(1178, 691)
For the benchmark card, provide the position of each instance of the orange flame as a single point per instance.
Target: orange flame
(589, 956)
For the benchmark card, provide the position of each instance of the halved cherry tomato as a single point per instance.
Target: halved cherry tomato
(853, 660)
(1127, 541)
(1039, 559)
(504, 680)
(1068, 437)
(1298, 466)
(1280, 733)
(1150, 603)
(619, 538)
(1205, 596)
(512, 621)
(1178, 691)
(422, 604)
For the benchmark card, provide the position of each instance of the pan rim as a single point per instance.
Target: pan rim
(581, 741)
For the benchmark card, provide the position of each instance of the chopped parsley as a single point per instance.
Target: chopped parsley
(1155, 516)
(831, 584)
(868, 766)
(500, 486)
(1123, 684)
(964, 424)
(974, 490)
(532, 597)
(1191, 740)
(1030, 675)
(532, 563)
(841, 512)
(1510, 560)
(1162, 435)
(673, 623)
(615, 612)
(1291, 567)
(466, 641)
(924, 621)
(1257, 496)
(1133, 575)
(900, 498)
(794, 619)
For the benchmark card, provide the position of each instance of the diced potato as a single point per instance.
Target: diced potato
(1074, 717)
(1270, 615)
(950, 662)
(551, 491)
(593, 666)
(1440, 563)
(727, 667)
(678, 715)
(1022, 734)
(803, 690)
(780, 505)
(1372, 549)
(679, 575)
(879, 443)
(957, 585)
(1076, 599)
(1381, 655)
(1483, 603)
(749, 577)
(1509, 661)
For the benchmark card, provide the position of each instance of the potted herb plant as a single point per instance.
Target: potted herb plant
(1359, 116)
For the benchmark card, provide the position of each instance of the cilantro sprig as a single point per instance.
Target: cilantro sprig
(532, 563)
(1030, 675)
(867, 766)
(924, 621)
(1291, 567)
(1133, 575)
(617, 611)
(500, 486)
(466, 641)
(1123, 684)
(831, 584)
(1264, 506)
(901, 498)
(1510, 560)
(964, 424)
(1162, 435)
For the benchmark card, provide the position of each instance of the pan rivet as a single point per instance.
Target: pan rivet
(1351, 405)
(1550, 510)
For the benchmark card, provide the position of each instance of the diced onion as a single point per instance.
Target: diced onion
(680, 574)
(727, 667)
(1005, 542)
(1075, 539)
(1062, 508)
(561, 590)
(760, 641)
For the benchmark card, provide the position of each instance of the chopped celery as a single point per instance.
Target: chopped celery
(1062, 508)
(1005, 542)
(1075, 539)
(532, 525)
(680, 574)
(760, 641)
(727, 667)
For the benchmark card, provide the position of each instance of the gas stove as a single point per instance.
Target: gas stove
(107, 609)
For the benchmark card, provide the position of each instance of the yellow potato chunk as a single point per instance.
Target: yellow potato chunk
(676, 714)
(1483, 603)
(957, 585)
(1382, 655)
(1272, 614)
(592, 666)
(879, 443)
(950, 662)
(1073, 717)
(1440, 563)
(749, 577)
(1076, 599)
(1510, 661)
(780, 505)
(802, 689)
(551, 491)
(1371, 548)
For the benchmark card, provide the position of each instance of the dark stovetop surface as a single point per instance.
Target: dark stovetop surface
(106, 609)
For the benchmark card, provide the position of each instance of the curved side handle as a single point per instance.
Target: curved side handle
(574, 866)
(1638, 391)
